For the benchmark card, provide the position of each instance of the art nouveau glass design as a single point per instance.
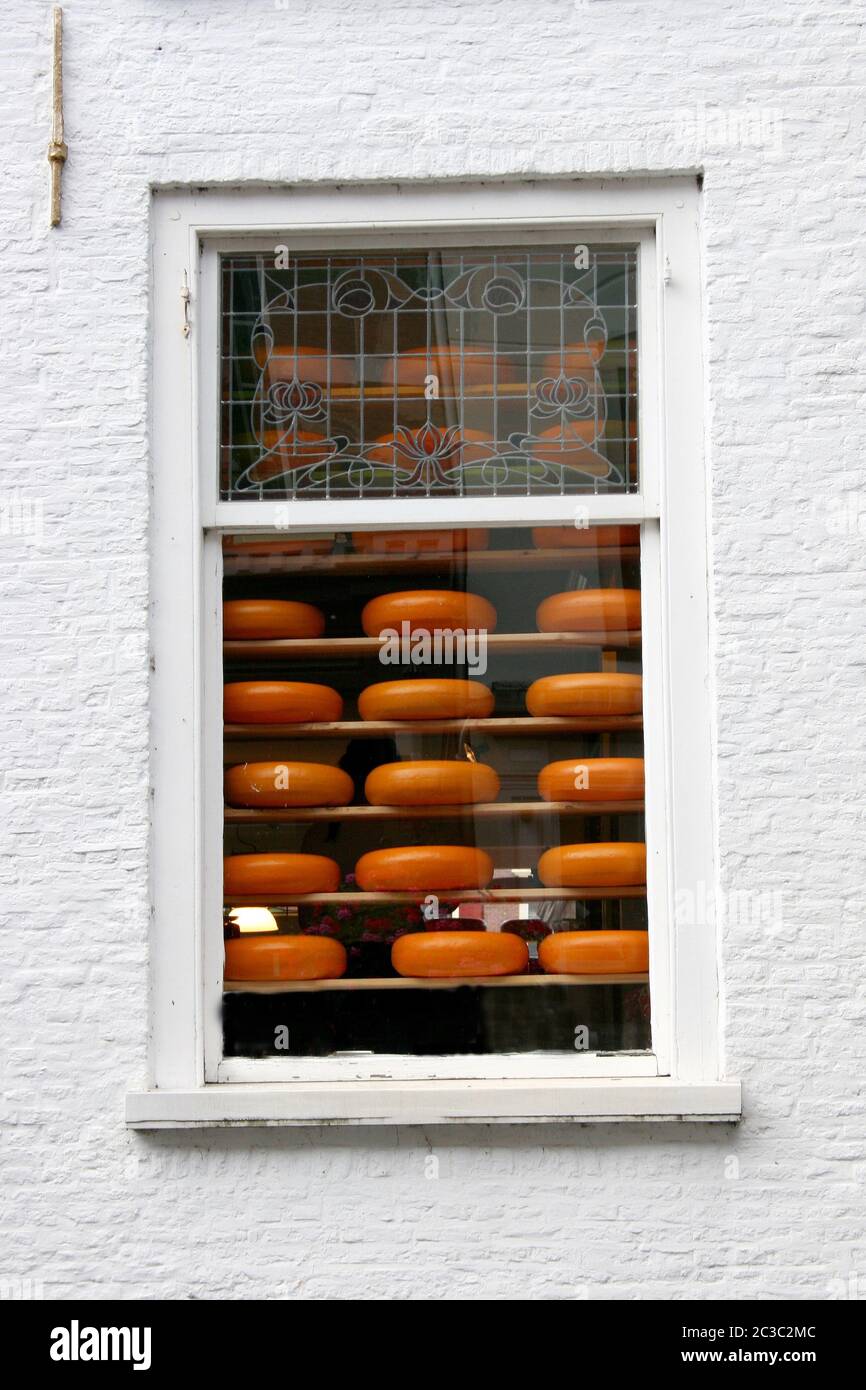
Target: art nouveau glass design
(423, 373)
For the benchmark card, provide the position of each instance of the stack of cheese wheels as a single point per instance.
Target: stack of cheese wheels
(431, 783)
(452, 955)
(594, 953)
(613, 864)
(426, 699)
(260, 875)
(412, 449)
(284, 958)
(584, 537)
(288, 784)
(590, 610)
(423, 868)
(592, 779)
(426, 610)
(585, 693)
(280, 702)
(419, 542)
(453, 368)
(263, 618)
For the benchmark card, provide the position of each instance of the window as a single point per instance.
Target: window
(438, 540)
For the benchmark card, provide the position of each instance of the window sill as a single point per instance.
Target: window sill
(585, 1100)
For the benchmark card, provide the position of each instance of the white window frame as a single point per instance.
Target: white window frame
(188, 1081)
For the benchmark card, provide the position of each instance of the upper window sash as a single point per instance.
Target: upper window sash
(308, 513)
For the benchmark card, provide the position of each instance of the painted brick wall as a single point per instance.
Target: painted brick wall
(766, 96)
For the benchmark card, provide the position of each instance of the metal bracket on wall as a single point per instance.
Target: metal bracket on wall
(185, 298)
(57, 150)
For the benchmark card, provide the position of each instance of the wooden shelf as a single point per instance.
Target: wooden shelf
(305, 648)
(376, 728)
(476, 561)
(489, 810)
(390, 982)
(453, 895)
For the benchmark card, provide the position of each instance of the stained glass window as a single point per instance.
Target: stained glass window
(485, 372)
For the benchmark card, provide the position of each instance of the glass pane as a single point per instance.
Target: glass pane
(434, 828)
(473, 372)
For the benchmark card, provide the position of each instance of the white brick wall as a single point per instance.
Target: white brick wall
(331, 90)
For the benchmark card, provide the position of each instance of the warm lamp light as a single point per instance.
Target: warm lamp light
(253, 919)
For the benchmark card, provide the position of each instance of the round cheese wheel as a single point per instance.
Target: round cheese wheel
(419, 542)
(287, 452)
(438, 783)
(583, 537)
(423, 868)
(590, 610)
(594, 953)
(592, 779)
(284, 362)
(605, 864)
(280, 702)
(304, 545)
(284, 958)
(472, 367)
(445, 449)
(264, 618)
(572, 446)
(583, 430)
(584, 693)
(426, 699)
(288, 784)
(254, 874)
(574, 359)
(451, 955)
(427, 610)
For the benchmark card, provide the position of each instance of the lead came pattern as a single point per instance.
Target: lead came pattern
(461, 373)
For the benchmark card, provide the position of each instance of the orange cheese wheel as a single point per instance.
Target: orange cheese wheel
(592, 779)
(583, 537)
(590, 610)
(287, 451)
(594, 953)
(264, 618)
(253, 874)
(419, 542)
(472, 367)
(288, 784)
(605, 864)
(284, 958)
(572, 446)
(309, 364)
(435, 783)
(279, 702)
(584, 693)
(575, 359)
(451, 955)
(423, 868)
(426, 610)
(426, 699)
